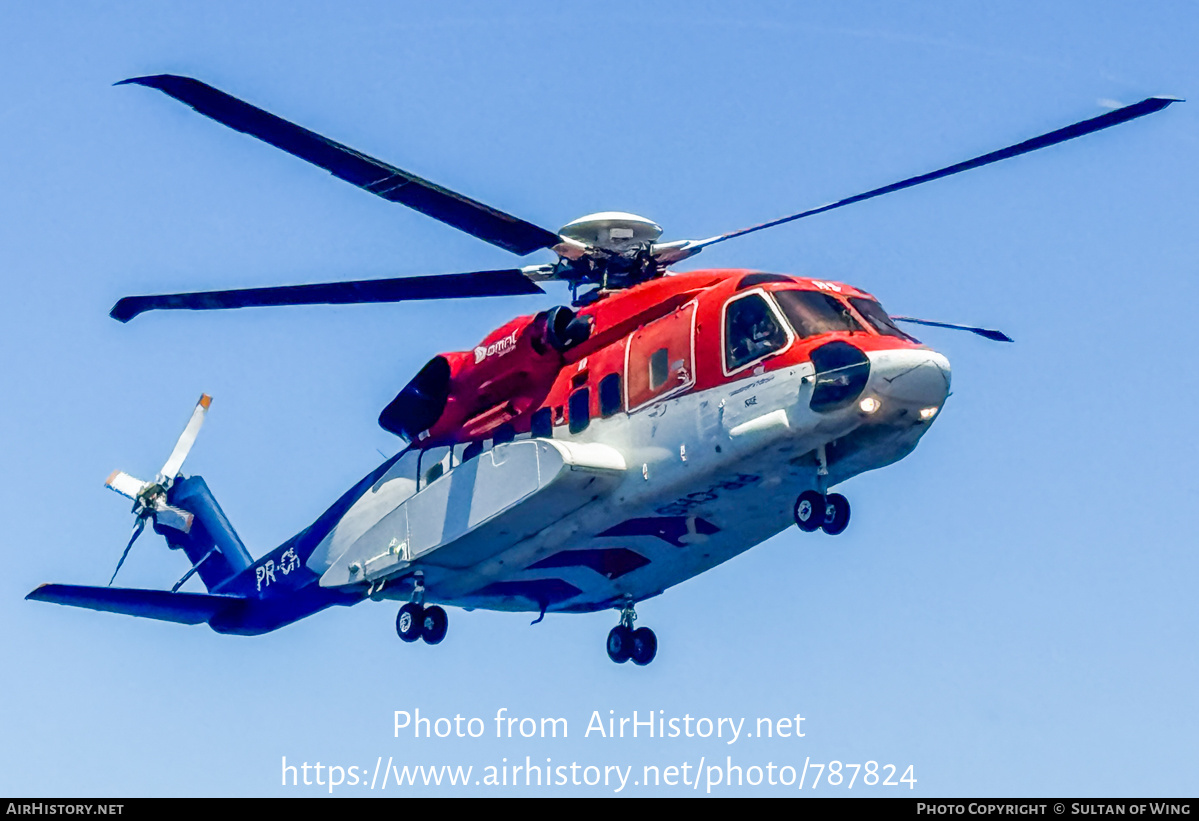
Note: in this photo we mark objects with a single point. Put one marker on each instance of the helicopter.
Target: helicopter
(587, 457)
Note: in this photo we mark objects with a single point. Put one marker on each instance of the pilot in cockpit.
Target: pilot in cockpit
(753, 330)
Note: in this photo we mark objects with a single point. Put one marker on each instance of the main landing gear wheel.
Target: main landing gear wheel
(624, 643)
(645, 646)
(836, 514)
(409, 622)
(620, 644)
(415, 622)
(810, 511)
(433, 625)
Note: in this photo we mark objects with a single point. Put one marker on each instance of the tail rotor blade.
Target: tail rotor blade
(171, 516)
(124, 484)
(186, 440)
(138, 527)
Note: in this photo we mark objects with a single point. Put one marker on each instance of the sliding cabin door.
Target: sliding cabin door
(660, 358)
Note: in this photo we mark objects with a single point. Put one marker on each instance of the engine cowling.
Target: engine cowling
(420, 404)
(470, 395)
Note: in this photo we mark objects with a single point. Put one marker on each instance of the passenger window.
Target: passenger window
(751, 331)
(542, 425)
(434, 463)
(609, 395)
(580, 410)
(659, 368)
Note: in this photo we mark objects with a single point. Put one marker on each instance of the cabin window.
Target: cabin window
(609, 395)
(434, 463)
(659, 368)
(504, 433)
(580, 410)
(812, 313)
(542, 425)
(878, 318)
(471, 451)
(751, 331)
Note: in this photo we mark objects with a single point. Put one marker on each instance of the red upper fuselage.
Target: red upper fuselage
(672, 335)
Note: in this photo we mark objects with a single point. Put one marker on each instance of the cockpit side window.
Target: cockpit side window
(878, 318)
(751, 331)
(813, 312)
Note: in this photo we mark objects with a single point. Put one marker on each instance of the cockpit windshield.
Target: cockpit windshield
(879, 318)
(814, 312)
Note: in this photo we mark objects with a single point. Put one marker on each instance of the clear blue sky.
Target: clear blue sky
(1012, 610)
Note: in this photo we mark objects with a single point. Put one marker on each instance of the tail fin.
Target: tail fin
(212, 545)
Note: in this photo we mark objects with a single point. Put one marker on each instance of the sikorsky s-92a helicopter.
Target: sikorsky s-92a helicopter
(583, 458)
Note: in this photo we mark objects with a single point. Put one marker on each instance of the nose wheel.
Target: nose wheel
(815, 511)
(625, 643)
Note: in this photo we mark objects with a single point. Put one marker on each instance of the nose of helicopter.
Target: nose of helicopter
(913, 379)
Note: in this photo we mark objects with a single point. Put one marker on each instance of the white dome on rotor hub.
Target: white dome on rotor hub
(612, 231)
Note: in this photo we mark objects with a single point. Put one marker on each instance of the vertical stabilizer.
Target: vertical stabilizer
(212, 545)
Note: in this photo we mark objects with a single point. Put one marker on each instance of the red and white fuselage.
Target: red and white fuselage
(676, 436)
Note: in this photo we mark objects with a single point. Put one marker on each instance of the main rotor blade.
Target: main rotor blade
(988, 333)
(507, 282)
(377, 177)
(1120, 115)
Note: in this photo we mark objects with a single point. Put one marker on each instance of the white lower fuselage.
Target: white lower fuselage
(655, 497)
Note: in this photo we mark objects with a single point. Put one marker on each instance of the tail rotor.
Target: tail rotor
(150, 498)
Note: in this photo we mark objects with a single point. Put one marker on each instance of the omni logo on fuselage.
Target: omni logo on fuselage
(498, 348)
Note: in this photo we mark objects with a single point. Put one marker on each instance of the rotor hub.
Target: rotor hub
(613, 231)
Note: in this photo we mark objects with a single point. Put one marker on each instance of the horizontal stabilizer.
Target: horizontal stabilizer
(183, 608)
